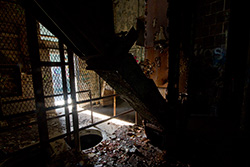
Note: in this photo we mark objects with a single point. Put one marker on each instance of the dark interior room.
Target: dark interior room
(124, 83)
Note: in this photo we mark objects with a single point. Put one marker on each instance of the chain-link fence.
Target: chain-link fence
(16, 86)
(18, 118)
(86, 80)
(52, 75)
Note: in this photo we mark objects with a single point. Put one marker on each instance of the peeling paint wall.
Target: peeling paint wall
(156, 17)
(154, 14)
(126, 12)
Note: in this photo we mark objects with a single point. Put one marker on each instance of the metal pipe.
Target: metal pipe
(63, 135)
(29, 99)
(65, 90)
(91, 107)
(51, 64)
(94, 124)
(59, 28)
(52, 108)
(80, 102)
(17, 101)
(114, 105)
(98, 98)
(37, 83)
(68, 94)
(1, 111)
(136, 118)
(105, 120)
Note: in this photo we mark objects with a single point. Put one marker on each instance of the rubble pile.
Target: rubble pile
(14, 140)
(128, 146)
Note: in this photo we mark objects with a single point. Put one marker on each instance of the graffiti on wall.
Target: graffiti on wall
(214, 57)
(207, 69)
(218, 57)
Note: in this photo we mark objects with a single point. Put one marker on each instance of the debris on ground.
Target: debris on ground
(129, 146)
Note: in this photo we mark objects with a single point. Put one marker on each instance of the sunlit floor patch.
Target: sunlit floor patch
(102, 117)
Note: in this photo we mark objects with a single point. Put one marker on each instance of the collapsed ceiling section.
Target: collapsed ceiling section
(87, 27)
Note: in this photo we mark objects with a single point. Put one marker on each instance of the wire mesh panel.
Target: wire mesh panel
(49, 52)
(13, 48)
(17, 102)
(13, 108)
(16, 85)
(48, 45)
(83, 76)
(52, 75)
(86, 80)
(19, 98)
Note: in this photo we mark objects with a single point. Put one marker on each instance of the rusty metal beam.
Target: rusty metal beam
(74, 104)
(65, 90)
(37, 84)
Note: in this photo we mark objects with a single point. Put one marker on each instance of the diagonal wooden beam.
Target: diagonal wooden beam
(112, 61)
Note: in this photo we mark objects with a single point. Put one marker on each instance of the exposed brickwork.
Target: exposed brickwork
(211, 24)
(208, 65)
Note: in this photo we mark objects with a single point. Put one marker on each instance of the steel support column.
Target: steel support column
(174, 51)
(37, 83)
(73, 97)
(65, 91)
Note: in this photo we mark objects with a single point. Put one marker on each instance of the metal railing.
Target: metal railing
(25, 28)
(115, 115)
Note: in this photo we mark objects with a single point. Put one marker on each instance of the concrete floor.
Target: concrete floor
(208, 141)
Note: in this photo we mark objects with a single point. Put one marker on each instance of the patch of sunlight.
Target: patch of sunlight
(114, 120)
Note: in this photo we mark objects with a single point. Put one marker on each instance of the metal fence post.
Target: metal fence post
(1, 112)
(114, 105)
(136, 118)
(37, 83)
(65, 90)
(91, 107)
(74, 105)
